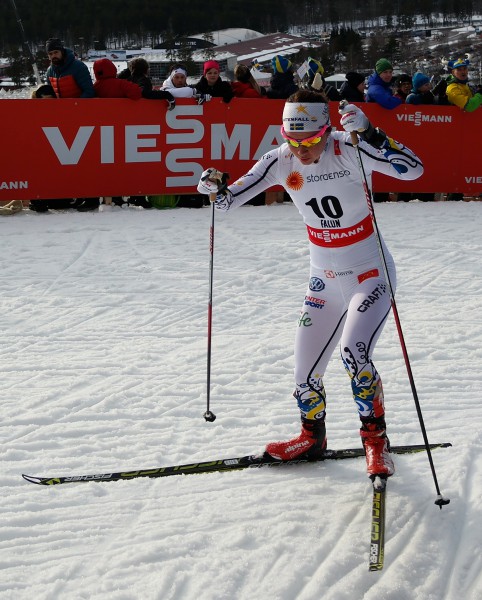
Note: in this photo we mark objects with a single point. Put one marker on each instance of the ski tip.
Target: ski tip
(32, 479)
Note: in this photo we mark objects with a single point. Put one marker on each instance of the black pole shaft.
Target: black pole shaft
(208, 415)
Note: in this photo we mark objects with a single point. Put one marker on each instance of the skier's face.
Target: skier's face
(308, 155)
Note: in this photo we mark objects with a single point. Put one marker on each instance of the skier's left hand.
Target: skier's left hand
(353, 118)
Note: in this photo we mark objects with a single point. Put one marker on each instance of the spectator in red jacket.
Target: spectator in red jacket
(246, 85)
(69, 77)
(108, 86)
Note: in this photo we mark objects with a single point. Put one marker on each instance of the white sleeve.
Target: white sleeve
(263, 175)
(392, 159)
(183, 92)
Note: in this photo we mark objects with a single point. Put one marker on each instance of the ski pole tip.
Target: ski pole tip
(209, 416)
(441, 501)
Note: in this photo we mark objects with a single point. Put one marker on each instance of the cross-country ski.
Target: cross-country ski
(218, 466)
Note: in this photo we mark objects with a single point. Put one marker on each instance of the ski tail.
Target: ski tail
(377, 541)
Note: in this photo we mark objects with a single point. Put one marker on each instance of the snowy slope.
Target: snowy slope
(103, 354)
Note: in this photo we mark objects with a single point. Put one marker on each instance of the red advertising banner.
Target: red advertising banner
(119, 147)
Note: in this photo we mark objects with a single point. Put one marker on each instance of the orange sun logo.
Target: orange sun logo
(295, 181)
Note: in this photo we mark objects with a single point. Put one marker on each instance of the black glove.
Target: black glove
(374, 136)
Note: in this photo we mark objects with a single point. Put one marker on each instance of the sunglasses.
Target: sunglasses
(307, 142)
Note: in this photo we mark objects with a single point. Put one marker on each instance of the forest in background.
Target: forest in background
(131, 23)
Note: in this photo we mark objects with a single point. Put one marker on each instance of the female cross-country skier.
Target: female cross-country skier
(348, 300)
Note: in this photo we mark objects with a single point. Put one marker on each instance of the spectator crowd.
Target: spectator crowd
(69, 77)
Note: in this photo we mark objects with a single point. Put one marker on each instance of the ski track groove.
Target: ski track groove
(354, 519)
(465, 580)
(87, 243)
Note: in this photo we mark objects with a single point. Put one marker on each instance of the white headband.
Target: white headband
(179, 71)
(305, 116)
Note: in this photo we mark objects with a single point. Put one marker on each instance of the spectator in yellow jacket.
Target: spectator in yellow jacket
(458, 89)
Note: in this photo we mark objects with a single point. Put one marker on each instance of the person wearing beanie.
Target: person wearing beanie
(317, 83)
(353, 89)
(212, 84)
(108, 85)
(383, 65)
(69, 77)
(346, 302)
(421, 90)
(459, 92)
(281, 64)
(379, 85)
(421, 94)
(176, 85)
(403, 86)
(282, 83)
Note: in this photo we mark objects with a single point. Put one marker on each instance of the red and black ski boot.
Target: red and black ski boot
(309, 445)
(377, 448)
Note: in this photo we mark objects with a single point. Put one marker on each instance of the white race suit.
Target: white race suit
(347, 300)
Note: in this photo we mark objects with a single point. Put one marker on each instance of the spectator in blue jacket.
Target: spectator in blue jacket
(379, 89)
(421, 90)
(69, 77)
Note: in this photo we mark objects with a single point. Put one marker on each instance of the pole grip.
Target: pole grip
(212, 197)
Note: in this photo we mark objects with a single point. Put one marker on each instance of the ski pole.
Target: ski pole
(440, 501)
(209, 415)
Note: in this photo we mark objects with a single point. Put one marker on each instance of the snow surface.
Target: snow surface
(104, 368)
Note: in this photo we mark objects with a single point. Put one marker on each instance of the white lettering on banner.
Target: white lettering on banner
(141, 141)
(13, 185)
(474, 179)
(273, 133)
(240, 137)
(107, 144)
(133, 143)
(193, 128)
(72, 155)
(182, 167)
(418, 118)
(66, 155)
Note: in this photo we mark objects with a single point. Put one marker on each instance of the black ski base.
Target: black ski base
(216, 466)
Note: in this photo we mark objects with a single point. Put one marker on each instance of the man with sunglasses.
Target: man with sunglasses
(347, 301)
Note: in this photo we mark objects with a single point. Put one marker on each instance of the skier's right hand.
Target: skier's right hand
(212, 182)
(352, 118)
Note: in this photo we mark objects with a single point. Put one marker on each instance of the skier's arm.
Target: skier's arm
(392, 158)
(258, 179)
